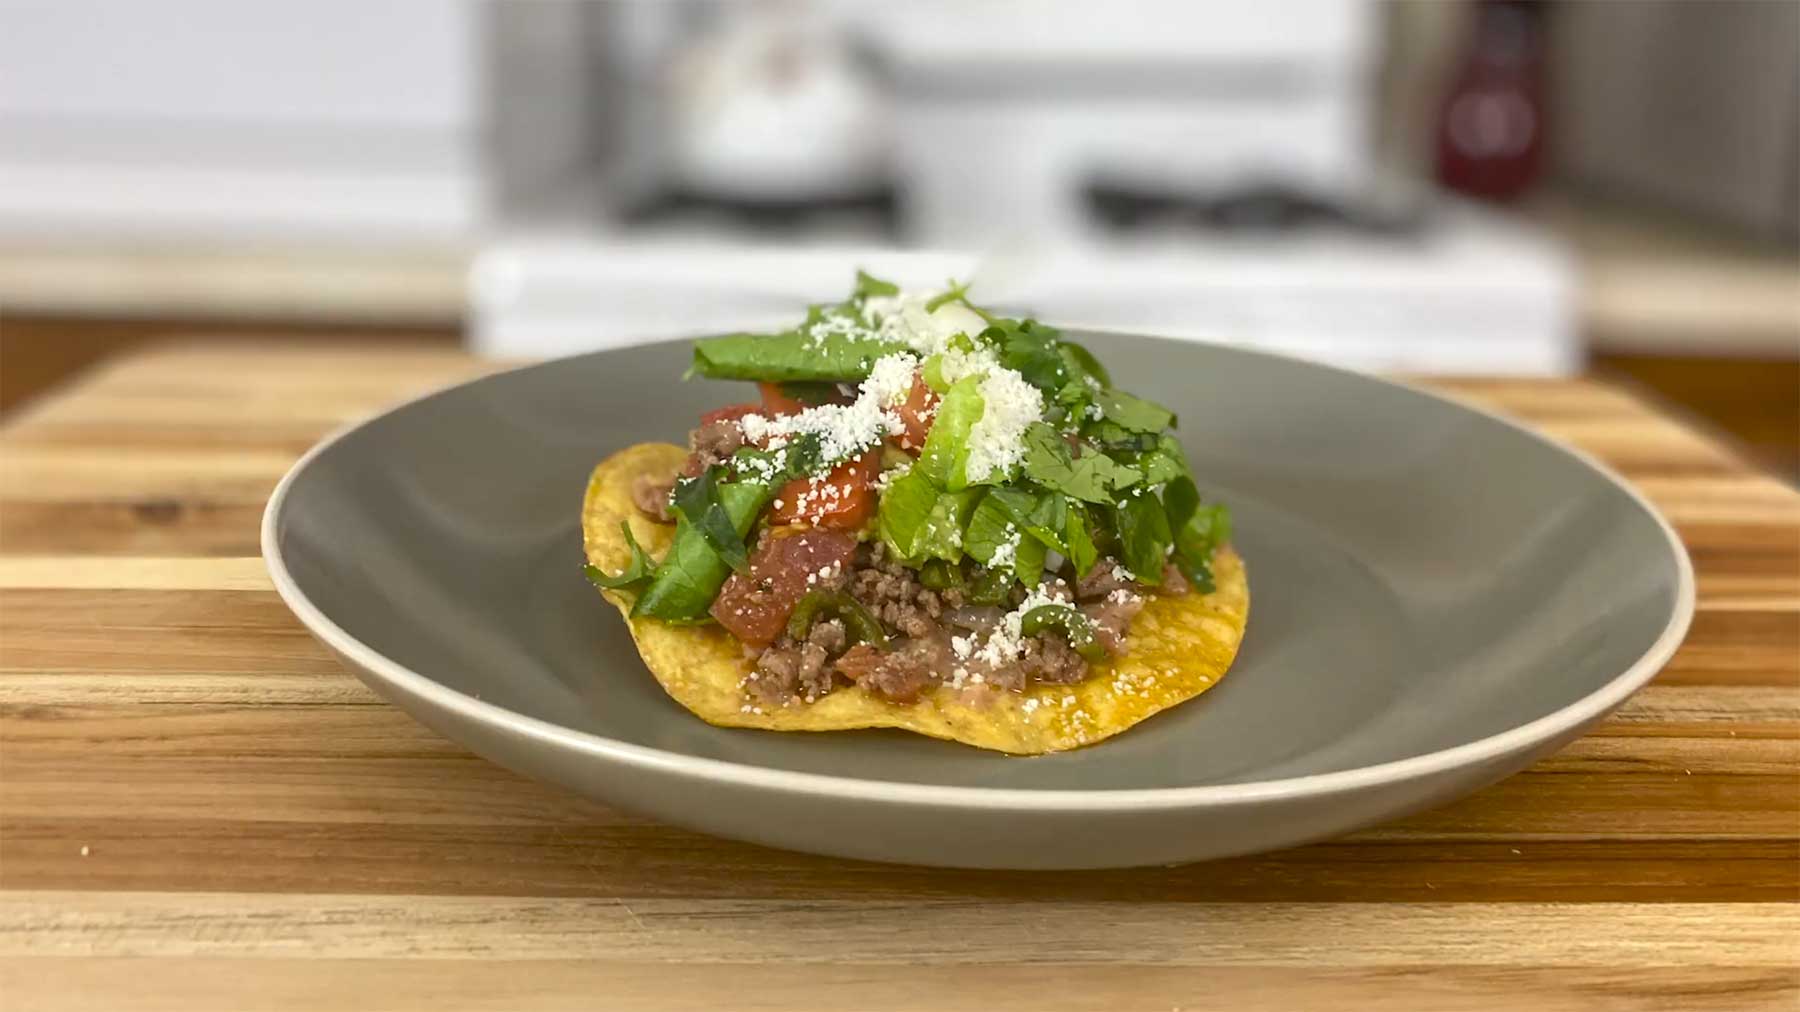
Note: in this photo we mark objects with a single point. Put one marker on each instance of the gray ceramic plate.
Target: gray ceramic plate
(1439, 597)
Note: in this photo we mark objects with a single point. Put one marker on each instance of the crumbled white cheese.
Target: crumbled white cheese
(955, 363)
(997, 440)
(1006, 642)
(1007, 550)
(838, 324)
(890, 379)
(1010, 404)
(825, 575)
(845, 430)
(903, 318)
(886, 478)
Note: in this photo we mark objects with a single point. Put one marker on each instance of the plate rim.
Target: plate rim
(1570, 717)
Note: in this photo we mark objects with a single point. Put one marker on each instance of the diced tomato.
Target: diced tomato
(916, 415)
(842, 499)
(775, 402)
(755, 606)
(730, 414)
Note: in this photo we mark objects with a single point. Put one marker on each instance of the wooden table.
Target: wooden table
(199, 810)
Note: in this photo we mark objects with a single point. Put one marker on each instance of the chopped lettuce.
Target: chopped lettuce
(1101, 475)
(635, 573)
(690, 575)
(793, 356)
(696, 500)
(918, 520)
(945, 459)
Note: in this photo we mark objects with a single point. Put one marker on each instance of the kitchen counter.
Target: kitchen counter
(200, 810)
(410, 286)
(1649, 285)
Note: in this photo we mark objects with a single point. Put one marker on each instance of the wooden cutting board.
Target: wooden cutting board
(199, 810)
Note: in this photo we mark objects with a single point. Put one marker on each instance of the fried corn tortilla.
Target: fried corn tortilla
(1178, 647)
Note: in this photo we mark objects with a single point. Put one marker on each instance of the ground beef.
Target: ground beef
(1173, 582)
(823, 642)
(1102, 580)
(777, 675)
(921, 654)
(1112, 616)
(712, 443)
(652, 496)
(895, 595)
(1050, 659)
(901, 673)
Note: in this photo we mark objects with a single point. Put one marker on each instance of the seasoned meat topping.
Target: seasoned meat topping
(712, 443)
(937, 638)
(652, 497)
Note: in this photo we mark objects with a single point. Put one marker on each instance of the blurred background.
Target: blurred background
(1469, 187)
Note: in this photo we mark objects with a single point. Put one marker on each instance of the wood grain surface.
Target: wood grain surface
(199, 810)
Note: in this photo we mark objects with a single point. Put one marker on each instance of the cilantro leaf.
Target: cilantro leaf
(1082, 362)
(956, 291)
(1132, 412)
(1051, 462)
(1112, 436)
(1028, 562)
(1031, 351)
(867, 286)
(1144, 536)
(1080, 541)
(988, 529)
(1159, 459)
(1197, 530)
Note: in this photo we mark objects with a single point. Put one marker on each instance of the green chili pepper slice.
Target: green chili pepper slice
(859, 622)
(1074, 625)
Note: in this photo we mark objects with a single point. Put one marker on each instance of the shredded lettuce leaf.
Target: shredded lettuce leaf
(918, 520)
(635, 573)
(790, 357)
(697, 501)
(945, 459)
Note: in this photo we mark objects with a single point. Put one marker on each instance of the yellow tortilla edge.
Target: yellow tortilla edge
(1177, 648)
